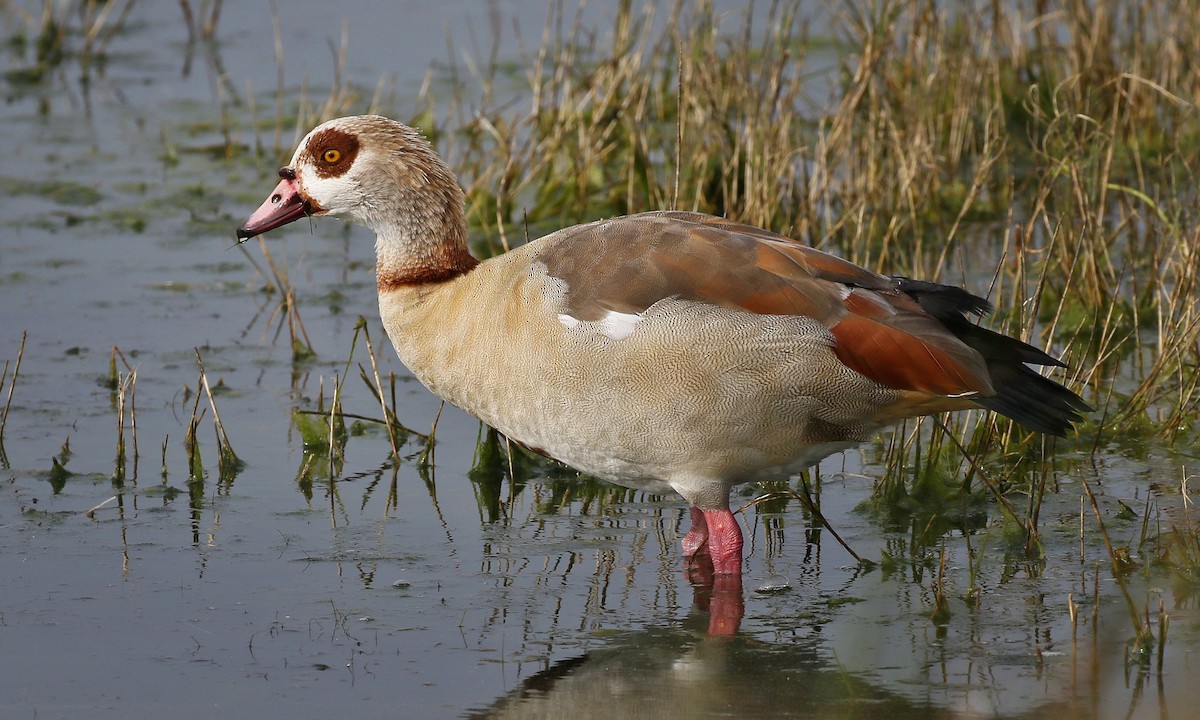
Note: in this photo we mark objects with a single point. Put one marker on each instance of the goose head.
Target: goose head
(372, 171)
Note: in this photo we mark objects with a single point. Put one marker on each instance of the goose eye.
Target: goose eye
(331, 155)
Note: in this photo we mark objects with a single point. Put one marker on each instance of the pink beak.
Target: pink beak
(284, 205)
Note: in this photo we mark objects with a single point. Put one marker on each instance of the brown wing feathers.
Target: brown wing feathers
(906, 334)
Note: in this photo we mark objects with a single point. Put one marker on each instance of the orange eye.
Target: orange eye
(331, 155)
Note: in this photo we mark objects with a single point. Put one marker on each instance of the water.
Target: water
(275, 593)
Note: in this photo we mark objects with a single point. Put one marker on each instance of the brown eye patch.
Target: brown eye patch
(331, 152)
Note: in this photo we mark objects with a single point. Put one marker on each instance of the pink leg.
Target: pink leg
(724, 541)
(695, 543)
(713, 548)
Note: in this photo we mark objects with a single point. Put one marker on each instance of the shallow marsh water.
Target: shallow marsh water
(272, 592)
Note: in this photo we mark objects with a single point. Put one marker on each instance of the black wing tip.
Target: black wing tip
(1035, 402)
(948, 303)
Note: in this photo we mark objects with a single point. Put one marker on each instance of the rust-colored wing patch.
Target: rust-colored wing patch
(905, 362)
(889, 338)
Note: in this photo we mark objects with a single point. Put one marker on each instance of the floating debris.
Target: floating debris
(773, 585)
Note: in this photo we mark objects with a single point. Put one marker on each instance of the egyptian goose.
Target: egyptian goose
(665, 351)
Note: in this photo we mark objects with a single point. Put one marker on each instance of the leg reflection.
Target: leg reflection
(720, 595)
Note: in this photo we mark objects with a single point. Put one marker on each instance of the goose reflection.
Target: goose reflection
(684, 673)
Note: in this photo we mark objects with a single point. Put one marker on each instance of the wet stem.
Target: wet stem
(301, 345)
(125, 389)
(228, 462)
(1144, 635)
(12, 385)
(389, 414)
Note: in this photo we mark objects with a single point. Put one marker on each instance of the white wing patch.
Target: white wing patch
(619, 326)
(616, 325)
